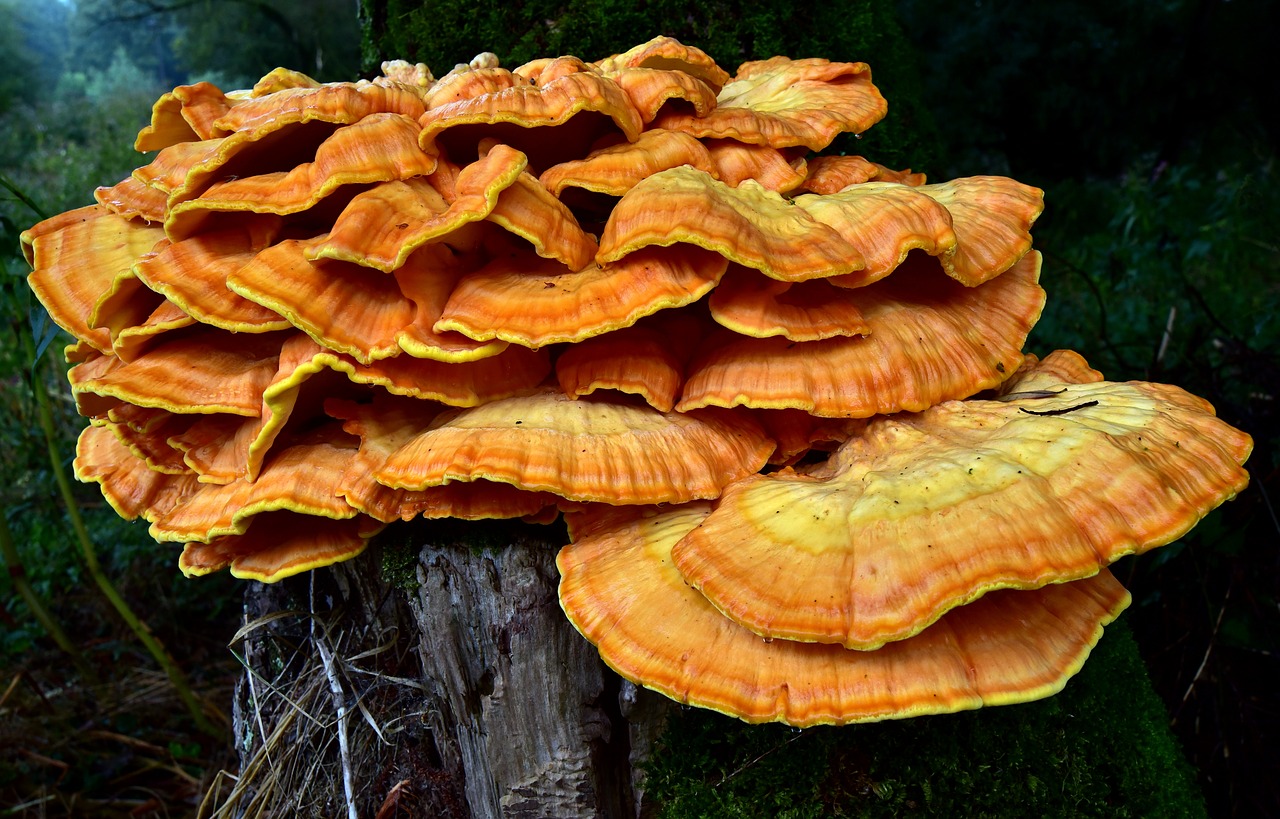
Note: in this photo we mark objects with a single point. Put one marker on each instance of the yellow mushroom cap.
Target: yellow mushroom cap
(383, 225)
(185, 114)
(668, 53)
(550, 123)
(757, 306)
(78, 258)
(616, 169)
(923, 512)
(784, 103)
(387, 423)
(832, 174)
(132, 488)
(748, 224)
(582, 450)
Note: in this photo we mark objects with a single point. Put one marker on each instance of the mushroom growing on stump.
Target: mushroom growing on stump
(625, 290)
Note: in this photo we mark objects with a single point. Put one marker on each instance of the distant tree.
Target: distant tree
(239, 40)
(31, 48)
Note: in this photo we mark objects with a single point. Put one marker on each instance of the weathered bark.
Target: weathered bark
(490, 703)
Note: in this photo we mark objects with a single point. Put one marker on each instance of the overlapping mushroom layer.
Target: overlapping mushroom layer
(623, 290)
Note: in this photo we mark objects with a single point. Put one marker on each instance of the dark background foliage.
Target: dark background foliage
(1151, 126)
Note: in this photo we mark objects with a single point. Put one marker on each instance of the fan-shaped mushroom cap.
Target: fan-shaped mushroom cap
(535, 302)
(343, 306)
(126, 303)
(747, 224)
(536, 119)
(382, 226)
(735, 162)
(618, 168)
(885, 221)
(868, 228)
(301, 478)
(128, 484)
(279, 545)
(992, 217)
(832, 174)
(931, 339)
(185, 114)
(544, 70)
(471, 83)
(460, 384)
(582, 450)
(757, 306)
(270, 134)
(226, 448)
(193, 274)
(619, 588)
(920, 513)
(131, 197)
(1058, 368)
(278, 79)
(77, 263)
(378, 148)
(797, 433)
(384, 426)
(637, 360)
(531, 212)
(133, 340)
(337, 103)
(670, 54)
(649, 89)
(146, 432)
(785, 103)
(358, 311)
(194, 374)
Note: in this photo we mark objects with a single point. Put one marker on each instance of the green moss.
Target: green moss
(1100, 748)
(398, 560)
(444, 33)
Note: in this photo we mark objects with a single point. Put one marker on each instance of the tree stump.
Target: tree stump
(461, 687)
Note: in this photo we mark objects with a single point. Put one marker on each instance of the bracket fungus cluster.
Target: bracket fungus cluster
(808, 472)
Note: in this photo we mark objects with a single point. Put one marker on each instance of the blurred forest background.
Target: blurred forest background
(1152, 126)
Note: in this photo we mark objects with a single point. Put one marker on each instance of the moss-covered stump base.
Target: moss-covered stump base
(1100, 748)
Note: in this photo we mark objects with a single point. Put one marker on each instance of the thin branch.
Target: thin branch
(8, 184)
(1204, 661)
(181, 686)
(18, 576)
(319, 637)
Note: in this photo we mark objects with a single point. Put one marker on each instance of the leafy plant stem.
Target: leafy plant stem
(7, 184)
(18, 576)
(140, 629)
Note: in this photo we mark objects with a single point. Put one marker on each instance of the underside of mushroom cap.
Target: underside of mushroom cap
(279, 545)
(621, 590)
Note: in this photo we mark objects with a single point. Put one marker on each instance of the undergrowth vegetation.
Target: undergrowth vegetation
(114, 737)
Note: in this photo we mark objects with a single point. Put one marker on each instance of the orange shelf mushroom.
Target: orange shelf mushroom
(922, 512)
(621, 589)
(786, 387)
